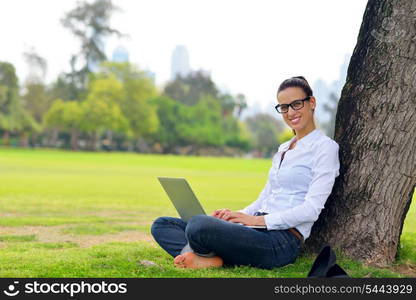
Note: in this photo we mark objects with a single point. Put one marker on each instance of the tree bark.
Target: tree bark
(376, 132)
(74, 139)
(95, 141)
(6, 138)
(24, 139)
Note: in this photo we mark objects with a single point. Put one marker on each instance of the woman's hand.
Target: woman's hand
(239, 217)
(223, 213)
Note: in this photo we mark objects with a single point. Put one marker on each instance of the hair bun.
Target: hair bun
(300, 77)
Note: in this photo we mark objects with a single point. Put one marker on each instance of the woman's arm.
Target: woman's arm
(325, 170)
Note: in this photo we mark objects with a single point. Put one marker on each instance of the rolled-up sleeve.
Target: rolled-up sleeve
(325, 170)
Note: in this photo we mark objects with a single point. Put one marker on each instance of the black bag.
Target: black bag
(325, 265)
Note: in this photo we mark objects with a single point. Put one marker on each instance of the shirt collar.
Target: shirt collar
(307, 139)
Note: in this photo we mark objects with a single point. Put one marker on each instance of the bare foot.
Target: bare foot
(179, 261)
(192, 261)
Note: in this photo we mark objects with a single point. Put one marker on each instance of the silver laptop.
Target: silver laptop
(184, 199)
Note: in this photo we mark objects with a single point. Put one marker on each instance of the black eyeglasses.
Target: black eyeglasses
(296, 105)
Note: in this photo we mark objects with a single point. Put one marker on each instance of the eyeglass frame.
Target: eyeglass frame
(290, 104)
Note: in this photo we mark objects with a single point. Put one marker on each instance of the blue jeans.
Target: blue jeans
(234, 243)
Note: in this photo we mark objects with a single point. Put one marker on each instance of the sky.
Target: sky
(248, 46)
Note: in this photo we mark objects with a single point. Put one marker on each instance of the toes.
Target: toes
(180, 265)
(179, 259)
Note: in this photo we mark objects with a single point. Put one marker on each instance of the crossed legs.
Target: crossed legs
(213, 242)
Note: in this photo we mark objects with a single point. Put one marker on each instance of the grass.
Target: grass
(18, 238)
(99, 229)
(66, 214)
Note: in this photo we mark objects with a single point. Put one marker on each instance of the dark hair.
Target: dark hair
(296, 81)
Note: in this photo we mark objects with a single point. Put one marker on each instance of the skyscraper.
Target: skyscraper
(180, 62)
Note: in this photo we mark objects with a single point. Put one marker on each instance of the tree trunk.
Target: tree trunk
(376, 132)
(34, 140)
(74, 139)
(6, 138)
(24, 139)
(55, 138)
(95, 141)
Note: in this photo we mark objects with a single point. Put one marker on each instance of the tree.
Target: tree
(89, 22)
(138, 89)
(376, 133)
(227, 103)
(201, 124)
(101, 109)
(241, 104)
(198, 87)
(66, 116)
(36, 100)
(285, 136)
(169, 113)
(264, 130)
(13, 116)
(63, 88)
(35, 97)
(235, 133)
(37, 66)
(190, 89)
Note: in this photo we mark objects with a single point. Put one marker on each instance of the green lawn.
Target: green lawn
(66, 214)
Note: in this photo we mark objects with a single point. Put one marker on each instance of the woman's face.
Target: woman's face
(297, 119)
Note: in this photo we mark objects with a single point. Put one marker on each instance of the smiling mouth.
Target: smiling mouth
(295, 120)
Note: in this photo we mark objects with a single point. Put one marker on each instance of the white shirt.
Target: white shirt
(296, 192)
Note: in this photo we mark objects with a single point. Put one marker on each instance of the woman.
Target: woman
(300, 180)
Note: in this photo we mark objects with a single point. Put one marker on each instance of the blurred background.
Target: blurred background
(177, 77)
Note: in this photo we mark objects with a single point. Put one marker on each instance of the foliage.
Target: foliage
(227, 104)
(169, 115)
(64, 88)
(122, 103)
(204, 116)
(116, 102)
(101, 109)
(89, 22)
(236, 133)
(198, 125)
(115, 99)
(36, 100)
(37, 66)
(191, 88)
(138, 89)
(66, 116)
(99, 112)
(264, 130)
(13, 116)
(201, 124)
(240, 103)
(285, 136)
(197, 85)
